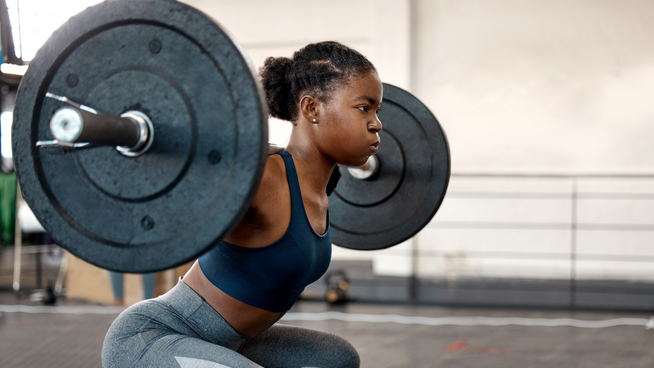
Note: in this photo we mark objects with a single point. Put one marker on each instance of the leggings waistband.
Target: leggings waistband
(201, 316)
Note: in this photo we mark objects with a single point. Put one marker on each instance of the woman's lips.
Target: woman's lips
(374, 147)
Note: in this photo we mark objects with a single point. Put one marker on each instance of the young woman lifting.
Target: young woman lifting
(223, 312)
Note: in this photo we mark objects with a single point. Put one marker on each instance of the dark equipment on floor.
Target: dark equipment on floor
(337, 286)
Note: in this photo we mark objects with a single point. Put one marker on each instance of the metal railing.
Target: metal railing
(575, 224)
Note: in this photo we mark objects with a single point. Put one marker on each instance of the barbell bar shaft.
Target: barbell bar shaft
(70, 125)
(130, 132)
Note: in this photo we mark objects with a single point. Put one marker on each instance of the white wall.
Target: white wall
(380, 29)
(561, 86)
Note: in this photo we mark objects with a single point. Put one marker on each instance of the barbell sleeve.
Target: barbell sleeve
(131, 132)
(72, 125)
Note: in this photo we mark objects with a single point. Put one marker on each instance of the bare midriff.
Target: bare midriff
(246, 319)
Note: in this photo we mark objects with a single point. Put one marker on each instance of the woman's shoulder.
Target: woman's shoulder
(273, 187)
(271, 206)
(274, 173)
(270, 211)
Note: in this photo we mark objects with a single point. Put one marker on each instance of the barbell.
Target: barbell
(140, 138)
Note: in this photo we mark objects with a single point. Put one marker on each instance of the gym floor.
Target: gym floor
(71, 333)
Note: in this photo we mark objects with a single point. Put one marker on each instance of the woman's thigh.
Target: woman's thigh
(150, 334)
(291, 347)
(178, 351)
(188, 352)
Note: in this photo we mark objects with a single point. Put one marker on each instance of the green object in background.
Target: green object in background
(7, 208)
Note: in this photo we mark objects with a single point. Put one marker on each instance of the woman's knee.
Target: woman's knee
(123, 344)
(284, 346)
(343, 353)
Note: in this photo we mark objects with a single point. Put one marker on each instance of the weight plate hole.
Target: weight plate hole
(147, 223)
(214, 157)
(155, 46)
(72, 80)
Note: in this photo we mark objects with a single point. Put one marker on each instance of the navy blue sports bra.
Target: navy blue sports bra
(272, 277)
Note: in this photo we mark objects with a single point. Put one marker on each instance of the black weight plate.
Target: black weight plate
(191, 188)
(409, 187)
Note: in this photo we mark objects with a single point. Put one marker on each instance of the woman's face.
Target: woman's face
(349, 129)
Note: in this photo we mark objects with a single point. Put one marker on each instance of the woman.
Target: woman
(223, 312)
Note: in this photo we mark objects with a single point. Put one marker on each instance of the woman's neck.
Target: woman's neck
(315, 168)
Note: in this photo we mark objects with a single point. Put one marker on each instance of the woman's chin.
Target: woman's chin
(359, 162)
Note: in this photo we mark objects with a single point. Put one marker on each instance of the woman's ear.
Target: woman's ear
(309, 108)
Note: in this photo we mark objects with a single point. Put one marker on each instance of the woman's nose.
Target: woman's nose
(375, 126)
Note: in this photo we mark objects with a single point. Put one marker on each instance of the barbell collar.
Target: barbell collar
(146, 134)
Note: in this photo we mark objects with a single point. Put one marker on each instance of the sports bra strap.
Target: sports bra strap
(297, 206)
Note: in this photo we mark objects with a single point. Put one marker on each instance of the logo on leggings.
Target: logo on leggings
(197, 363)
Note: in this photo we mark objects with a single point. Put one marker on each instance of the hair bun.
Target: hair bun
(277, 86)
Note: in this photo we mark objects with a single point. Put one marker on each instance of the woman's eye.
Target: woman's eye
(363, 108)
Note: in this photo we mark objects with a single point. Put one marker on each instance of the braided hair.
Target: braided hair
(318, 69)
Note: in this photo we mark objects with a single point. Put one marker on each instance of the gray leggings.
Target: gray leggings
(179, 329)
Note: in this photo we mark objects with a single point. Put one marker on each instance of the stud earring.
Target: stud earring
(314, 120)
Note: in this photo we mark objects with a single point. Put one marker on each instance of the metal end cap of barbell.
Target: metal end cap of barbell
(66, 124)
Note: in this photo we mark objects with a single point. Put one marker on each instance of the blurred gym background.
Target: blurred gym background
(547, 108)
